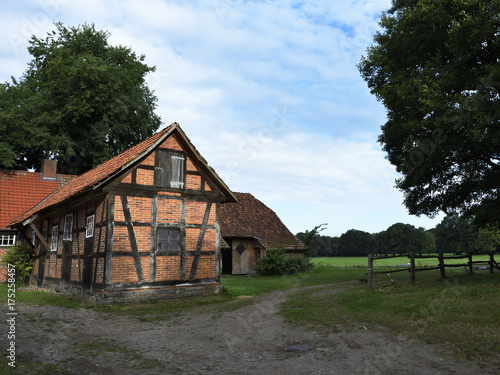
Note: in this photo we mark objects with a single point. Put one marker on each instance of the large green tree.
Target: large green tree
(435, 66)
(80, 101)
(356, 243)
(459, 235)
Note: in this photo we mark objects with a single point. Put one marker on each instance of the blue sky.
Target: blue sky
(268, 91)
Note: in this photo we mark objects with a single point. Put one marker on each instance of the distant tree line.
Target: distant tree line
(454, 234)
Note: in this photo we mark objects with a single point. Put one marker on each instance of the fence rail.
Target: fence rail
(412, 269)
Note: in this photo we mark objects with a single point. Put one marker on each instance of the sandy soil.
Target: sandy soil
(249, 340)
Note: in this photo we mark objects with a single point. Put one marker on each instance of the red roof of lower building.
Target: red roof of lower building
(249, 217)
(21, 190)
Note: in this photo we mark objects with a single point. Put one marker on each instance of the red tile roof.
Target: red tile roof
(252, 218)
(21, 190)
(112, 168)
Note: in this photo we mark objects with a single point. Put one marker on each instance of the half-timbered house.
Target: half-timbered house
(143, 225)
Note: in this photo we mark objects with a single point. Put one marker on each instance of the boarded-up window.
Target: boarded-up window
(168, 239)
(54, 237)
(68, 228)
(171, 169)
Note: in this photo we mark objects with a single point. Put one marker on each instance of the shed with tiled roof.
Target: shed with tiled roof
(144, 224)
(250, 228)
(19, 192)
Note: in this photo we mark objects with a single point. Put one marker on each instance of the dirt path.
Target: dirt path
(250, 340)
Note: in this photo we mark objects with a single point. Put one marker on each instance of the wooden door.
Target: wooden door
(41, 266)
(66, 267)
(240, 259)
(87, 267)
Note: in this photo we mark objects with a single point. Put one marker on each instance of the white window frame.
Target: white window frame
(33, 237)
(68, 228)
(54, 237)
(7, 240)
(89, 228)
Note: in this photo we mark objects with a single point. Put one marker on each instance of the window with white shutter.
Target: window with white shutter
(171, 169)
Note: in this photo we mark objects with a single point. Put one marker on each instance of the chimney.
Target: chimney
(49, 169)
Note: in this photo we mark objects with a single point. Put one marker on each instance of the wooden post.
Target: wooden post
(441, 265)
(491, 261)
(470, 263)
(412, 266)
(78, 244)
(201, 236)
(370, 271)
(132, 238)
(110, 220)
(104, 203)
(153, 240)
(182, 270)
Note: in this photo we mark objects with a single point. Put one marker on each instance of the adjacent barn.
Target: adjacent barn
(143, 225)
(249, 229)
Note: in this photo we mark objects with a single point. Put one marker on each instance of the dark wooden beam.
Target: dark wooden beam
(217, 243)
(78, 247)
(133, 239)
(110, 218)
(182, 240)
(200, 241)
(136, 190)
(39, 235)
(154, 245)
(96, 256)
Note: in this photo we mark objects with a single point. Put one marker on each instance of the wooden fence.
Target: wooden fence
(412, 269)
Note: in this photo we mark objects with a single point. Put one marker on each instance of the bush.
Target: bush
(277, 263)
(297, 264)
(274, 263)
(21, 257)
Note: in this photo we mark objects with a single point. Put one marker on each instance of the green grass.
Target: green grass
(256, 285)
(42, 298)
(391, 262)
(460, 313)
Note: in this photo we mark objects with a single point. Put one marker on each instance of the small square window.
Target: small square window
(89, 232)
(54, 238)
(168, 239)
(68, 228)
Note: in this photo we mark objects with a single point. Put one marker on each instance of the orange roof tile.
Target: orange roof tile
(21, 190)
(252, 218)
(111, 168)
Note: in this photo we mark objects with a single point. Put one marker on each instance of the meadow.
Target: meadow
(391, 262)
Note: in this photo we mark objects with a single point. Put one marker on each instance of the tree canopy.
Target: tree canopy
(435, 66)
(80, 101)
